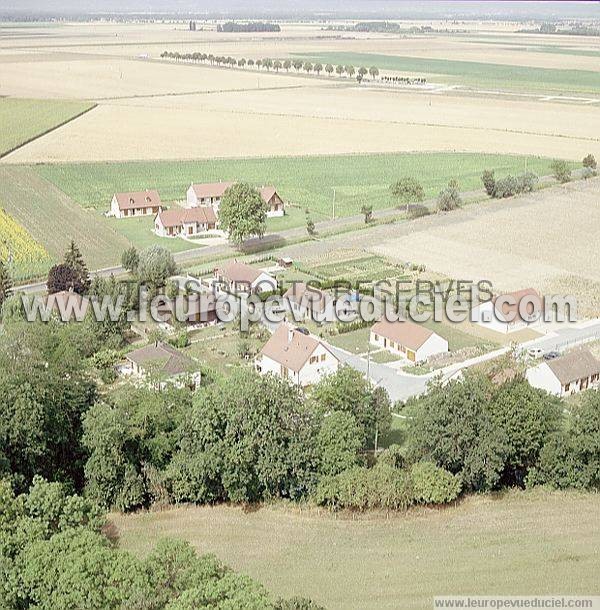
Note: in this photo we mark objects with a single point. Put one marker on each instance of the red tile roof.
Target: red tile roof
(404, 332)
(508, 310)
(141, 199)
(176, 217)
(290, 347)
(211, 189)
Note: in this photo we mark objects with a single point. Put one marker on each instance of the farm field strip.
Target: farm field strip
(148, 132)
(24, 120)
(53, 219)
(500, 76)
(304, 182)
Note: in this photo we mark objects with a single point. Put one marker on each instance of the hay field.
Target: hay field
(507, 242)
(521, 543)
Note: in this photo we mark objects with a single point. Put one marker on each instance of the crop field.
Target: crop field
(472, 73)
(24, 256)
(304, 182)
(53, 219)
(522, 543)
(23, 120)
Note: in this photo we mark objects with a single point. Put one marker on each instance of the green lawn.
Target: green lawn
(355, 342)
(514, 543)
(472, 73)
(24, 120)
(304, 182)
(457, 339)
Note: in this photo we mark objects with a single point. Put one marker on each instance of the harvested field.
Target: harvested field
(507, 243)
(331, 121)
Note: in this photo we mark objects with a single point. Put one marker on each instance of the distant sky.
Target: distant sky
(359, 8)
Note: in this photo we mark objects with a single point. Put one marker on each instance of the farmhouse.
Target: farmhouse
(505, 317)
(305, 301)
(275, 205)
(165, 362)
(413, 341)
(144, 203)
(293, 355)
(185, 222)
(569, 374)
(209, 194)
(238, 278)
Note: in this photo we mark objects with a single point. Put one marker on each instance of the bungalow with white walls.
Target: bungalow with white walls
(307, 302)
(181, 222)
(237, 278)
(503, 317)
(405, 338)
(294, 355)
(128, 205)
(569, 374)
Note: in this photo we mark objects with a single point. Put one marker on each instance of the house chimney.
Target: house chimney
(290, 334)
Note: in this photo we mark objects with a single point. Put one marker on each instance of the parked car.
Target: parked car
(551, 355)
(535, 352)
(303, 330)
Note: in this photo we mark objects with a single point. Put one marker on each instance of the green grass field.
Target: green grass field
(519, 543)
(24, 120)
(471, 73)
(304, 182)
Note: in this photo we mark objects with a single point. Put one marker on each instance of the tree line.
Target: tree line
(276, 65)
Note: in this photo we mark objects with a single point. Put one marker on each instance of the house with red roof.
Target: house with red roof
(142, 203)
(186, 222)
(511, 311)
(405, 338)
(301, 358)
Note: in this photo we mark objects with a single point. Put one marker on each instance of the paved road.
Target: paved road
(564, 338)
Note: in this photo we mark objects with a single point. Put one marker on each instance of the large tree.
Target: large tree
(64, 277)
(242, 213)
(155, 266)
(348, 391)
(74, 259)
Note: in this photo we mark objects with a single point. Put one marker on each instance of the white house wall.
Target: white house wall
(542, 377)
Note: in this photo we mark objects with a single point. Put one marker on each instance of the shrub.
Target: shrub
(506, 187)
(362, 488)
(489, 182)
(561, 170)
(449, 199)
(433, 485)
(590, 161)
(588, 172)
(526, 182)
(392, 456)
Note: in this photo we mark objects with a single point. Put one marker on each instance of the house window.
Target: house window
(314, 359)
(376, 337)
(323, 356)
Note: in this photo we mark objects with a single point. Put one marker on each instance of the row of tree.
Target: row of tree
(270, 64)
